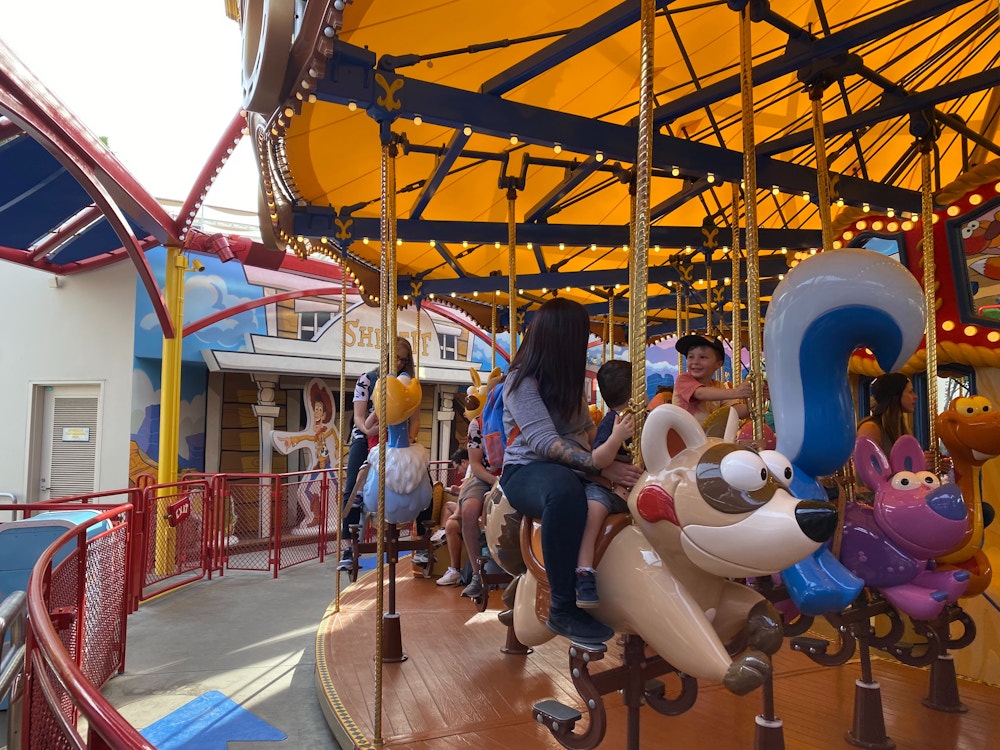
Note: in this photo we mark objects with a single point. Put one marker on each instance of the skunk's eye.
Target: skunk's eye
(780, 466)
(744, 470)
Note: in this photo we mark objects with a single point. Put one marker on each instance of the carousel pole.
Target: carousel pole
(638, 282)
(823, 206)
(925, 145)
(341, 467)
(823, 201)
(388, 643)
(416, 345)
(750, 191)
(942, 692)
(639, 257)
(392, 641)
(678, 310)
(608, 350)
(769, 728)
(709, 245)
(735, 288)
(677, 323)
(512, 263)
(493, 333)
(609, 338)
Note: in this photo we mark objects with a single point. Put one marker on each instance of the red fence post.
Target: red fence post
(276, 490)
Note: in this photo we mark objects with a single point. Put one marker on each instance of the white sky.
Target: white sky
(161, 80)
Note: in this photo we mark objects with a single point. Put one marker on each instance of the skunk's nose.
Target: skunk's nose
(817, 520)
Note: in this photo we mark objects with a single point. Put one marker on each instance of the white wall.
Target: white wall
(81, 331)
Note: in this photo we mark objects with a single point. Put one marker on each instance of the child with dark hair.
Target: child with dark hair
(459, 468)
(615, 430)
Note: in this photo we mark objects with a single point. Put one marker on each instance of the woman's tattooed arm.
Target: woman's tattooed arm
(573, 456)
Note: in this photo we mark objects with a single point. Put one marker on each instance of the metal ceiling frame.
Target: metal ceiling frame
(804, 50)
(363, 78)
(351, 80)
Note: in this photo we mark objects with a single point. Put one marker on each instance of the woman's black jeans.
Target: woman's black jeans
(554, 494)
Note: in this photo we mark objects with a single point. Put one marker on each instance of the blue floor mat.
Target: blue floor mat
(209, 722)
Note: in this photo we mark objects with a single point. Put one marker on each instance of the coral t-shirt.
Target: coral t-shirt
(684, 387)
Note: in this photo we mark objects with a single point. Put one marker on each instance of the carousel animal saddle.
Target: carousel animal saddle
(531, 551)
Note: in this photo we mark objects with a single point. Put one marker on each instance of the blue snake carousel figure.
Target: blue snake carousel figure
(826, 308)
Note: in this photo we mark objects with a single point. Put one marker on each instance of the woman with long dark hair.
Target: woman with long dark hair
(549, 458)
(892, 399)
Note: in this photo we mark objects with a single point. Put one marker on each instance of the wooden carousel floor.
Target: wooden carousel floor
(457, 690)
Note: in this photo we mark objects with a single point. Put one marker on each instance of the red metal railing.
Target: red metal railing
(174, 525)
(160, 537)
(274, 521)
(76, 639)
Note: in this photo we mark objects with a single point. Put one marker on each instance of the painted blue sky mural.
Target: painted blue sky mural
(219, 287)
(145, 425)
(482, 351)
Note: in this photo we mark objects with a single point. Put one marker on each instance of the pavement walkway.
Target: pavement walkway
(245, 635)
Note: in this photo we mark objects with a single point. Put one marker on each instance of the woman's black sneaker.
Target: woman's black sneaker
(577, 625)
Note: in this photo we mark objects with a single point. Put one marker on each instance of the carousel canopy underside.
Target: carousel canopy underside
(564, 81)
(544, 98)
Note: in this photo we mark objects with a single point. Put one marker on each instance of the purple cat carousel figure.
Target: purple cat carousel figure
(891, 544)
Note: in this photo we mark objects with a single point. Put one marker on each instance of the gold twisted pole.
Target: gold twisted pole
(387, 350)
(708, 289)
(341, 467)
(610, 341)
(607, 335)
(750, 191)
(493, 332)
(735, 289)
(512, 262)
(416, 344)
(924, 145)
(679, 310)
(639, 257)
(632, 229)
(822, 169)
